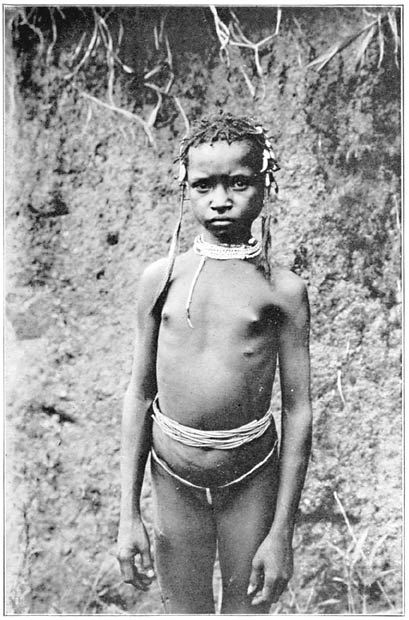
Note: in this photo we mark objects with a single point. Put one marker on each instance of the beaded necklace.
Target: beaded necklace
(226, 251)
(243, 251)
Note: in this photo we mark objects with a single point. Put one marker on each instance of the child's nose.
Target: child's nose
(220, 198)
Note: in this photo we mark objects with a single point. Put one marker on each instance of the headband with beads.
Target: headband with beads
(269, 165)
(182, 178)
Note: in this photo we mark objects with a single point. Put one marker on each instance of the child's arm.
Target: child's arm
(274, 558)
(133, 540)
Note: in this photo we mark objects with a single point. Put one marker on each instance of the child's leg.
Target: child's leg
(244, 514)
(185, 545)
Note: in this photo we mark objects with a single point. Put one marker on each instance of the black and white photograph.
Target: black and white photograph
(203, 309)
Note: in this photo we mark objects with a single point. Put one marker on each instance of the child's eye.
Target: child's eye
(239, 182)
(202, 186)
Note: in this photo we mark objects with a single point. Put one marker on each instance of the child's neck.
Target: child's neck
(242, 251)
(226, 239)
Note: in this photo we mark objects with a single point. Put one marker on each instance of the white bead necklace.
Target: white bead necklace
(243, 251)
(225, 251)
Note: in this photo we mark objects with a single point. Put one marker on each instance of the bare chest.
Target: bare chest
(227, 299)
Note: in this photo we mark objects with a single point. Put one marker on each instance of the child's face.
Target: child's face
(225, 189)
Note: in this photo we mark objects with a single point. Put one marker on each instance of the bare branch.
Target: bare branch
(162, 26)
(169, 57)
(153, 115)
(239, 33)
(325, 58)
(364, 46)
(297, 23)
(126, 113)
(87, 54)
(88, 119)
(107, 39)
(154, 87)
(79, 46)
(339, 386)
(120, 35)
(279, 14)
(26, 21)
(54, 31)
(223, 34)
(155, 37)
(239, 39)
(182, 112)
(394, 28)
(248, 83)
(169, 84)
(153, 72)
(31, 13)
(381, 42)
(369, 30)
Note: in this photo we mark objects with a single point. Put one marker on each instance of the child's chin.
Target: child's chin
(222, 232)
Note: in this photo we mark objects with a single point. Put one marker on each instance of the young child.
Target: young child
(211, 325)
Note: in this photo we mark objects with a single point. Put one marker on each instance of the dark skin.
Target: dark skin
(220, 375)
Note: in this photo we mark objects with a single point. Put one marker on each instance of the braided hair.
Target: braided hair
(229, 128)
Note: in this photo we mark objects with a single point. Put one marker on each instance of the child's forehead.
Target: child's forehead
(238, 152)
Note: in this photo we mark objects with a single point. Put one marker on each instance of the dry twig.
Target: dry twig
(26, 21)
(368, 32)
(182, 112)
(54, 39)
(159, 38)
(223, 34)
(339, 387)
(234, 36)
(249, 85)
(126, 113)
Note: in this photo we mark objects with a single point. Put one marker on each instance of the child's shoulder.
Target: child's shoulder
(149, 282)
(291, 289)
(154, 273)
(287, 280)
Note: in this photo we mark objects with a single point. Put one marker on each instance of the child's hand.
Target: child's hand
(272, 568)
(133, 541)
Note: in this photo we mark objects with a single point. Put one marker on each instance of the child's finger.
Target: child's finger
(147, 564)
(140, 580)
(127, 569)
(144, 569)
(262, 596)
(255, 580)
(270, 593)
(131, 574)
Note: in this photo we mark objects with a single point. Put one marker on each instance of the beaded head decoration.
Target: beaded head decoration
(229, 128)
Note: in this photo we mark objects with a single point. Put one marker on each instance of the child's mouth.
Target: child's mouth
(218, 221)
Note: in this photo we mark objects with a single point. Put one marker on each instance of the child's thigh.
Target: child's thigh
(244, 517)
(180, 511)
(185, 544)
